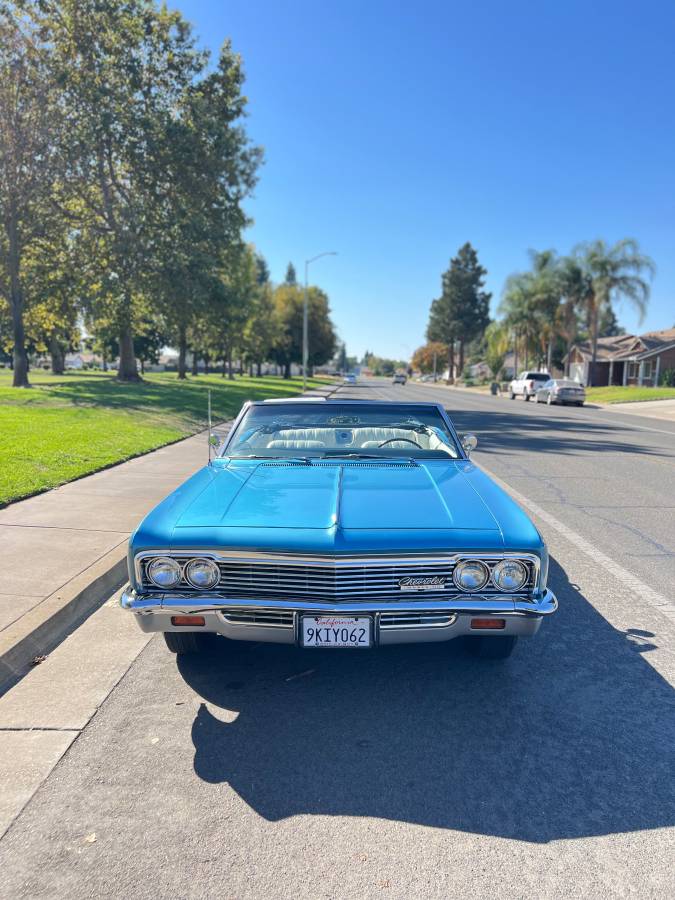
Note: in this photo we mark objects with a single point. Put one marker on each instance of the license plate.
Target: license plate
(336, 631)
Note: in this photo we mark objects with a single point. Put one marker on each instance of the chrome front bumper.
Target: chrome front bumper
(404, 622)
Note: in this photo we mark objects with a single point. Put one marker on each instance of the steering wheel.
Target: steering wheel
(406, 440)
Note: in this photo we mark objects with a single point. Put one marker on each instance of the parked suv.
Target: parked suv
(527, 384)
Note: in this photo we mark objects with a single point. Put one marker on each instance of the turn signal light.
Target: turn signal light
(488, 623)
(187, 620)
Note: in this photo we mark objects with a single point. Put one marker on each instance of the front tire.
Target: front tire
(493, 647)
(526, 397)
(183, 643)
(512, 396)
(549, 400)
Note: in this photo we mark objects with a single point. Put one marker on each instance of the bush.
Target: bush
(668, 378)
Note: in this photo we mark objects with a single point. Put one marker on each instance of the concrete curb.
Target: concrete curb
(44, 627)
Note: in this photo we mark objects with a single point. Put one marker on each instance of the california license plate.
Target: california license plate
(336, 631)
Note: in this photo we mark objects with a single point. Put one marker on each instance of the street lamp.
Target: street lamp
(305, 335)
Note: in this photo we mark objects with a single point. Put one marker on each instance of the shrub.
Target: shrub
(668, 378)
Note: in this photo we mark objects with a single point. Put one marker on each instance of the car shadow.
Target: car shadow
(503, 433)
(573, 736)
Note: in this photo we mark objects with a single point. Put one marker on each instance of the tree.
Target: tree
(427, 358)
(614, 271)
(608, 325)
(123, 67)
(29, 122)
(287, 348)
(291, 277)
(497, 341)
(462, 312)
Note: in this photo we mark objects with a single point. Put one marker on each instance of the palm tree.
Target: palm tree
(614, 270)
(575, 286)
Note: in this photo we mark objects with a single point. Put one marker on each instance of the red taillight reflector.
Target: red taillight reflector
(187, 620)
(488, 623)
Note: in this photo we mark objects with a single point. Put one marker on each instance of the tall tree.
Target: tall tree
(615, 272)
(29, 124)
(462, 312)
(123, 67)
(291, 277)
(287, 348)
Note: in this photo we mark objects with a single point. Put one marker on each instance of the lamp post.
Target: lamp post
(305, 318)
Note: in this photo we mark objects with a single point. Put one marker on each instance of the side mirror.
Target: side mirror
(469, 443)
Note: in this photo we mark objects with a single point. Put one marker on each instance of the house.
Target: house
(625, 359)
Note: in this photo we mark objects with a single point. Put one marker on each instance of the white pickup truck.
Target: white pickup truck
(527, 384)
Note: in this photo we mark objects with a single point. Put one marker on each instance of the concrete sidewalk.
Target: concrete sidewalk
(58, 544)
(65, 550)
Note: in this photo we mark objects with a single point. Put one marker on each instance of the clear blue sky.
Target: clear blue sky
(395, 131)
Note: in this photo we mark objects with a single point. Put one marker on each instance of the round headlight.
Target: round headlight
(470, 575)
(164, 572)
(202, 573)
(509, 575)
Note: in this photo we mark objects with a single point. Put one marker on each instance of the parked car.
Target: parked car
(561, 390)
(337, 523)
(349, 378)
(399, 378)
(526, 384)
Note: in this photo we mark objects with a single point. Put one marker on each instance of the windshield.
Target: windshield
(380, 430)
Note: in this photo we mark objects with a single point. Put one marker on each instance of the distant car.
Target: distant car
(340, 523)
(399, 378)
(561, 390)
(350, 378)
(527, 384)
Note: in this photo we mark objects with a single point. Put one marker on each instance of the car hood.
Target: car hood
(347, 496)
(338, 508)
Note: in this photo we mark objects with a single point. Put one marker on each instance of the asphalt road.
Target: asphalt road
(268, 772)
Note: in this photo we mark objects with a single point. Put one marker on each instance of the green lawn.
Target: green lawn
(628, 394)
(70, 425)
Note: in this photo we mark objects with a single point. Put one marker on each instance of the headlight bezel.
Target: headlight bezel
(466, 562)
(164, 560)
(202, 560)
(509, 561)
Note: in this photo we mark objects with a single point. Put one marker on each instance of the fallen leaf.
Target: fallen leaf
(155, 741)
(36, 660)
(90, 838)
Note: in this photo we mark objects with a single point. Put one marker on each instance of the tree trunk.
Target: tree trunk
(594, 323)
(56, 353)
(549, 356)
(451, 361)
(259, 369)
(287, 370)
(461, 358)
(195, 363)
(182, 352)
(20, 361)
(142, 366)
(250, 370)
(104, 360)
(230, 373)
(127, 370)
(206, 363)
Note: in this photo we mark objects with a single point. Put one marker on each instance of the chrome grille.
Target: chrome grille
(335, 581)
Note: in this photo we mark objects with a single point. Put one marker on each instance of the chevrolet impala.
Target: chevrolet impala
(340, 524)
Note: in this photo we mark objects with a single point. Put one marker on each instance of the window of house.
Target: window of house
(633, 369)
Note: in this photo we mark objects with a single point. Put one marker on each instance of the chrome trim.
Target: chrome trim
(188, 604)
(373, 562)
(400, 621)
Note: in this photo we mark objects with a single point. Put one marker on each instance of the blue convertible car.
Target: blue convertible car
(338, 523)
